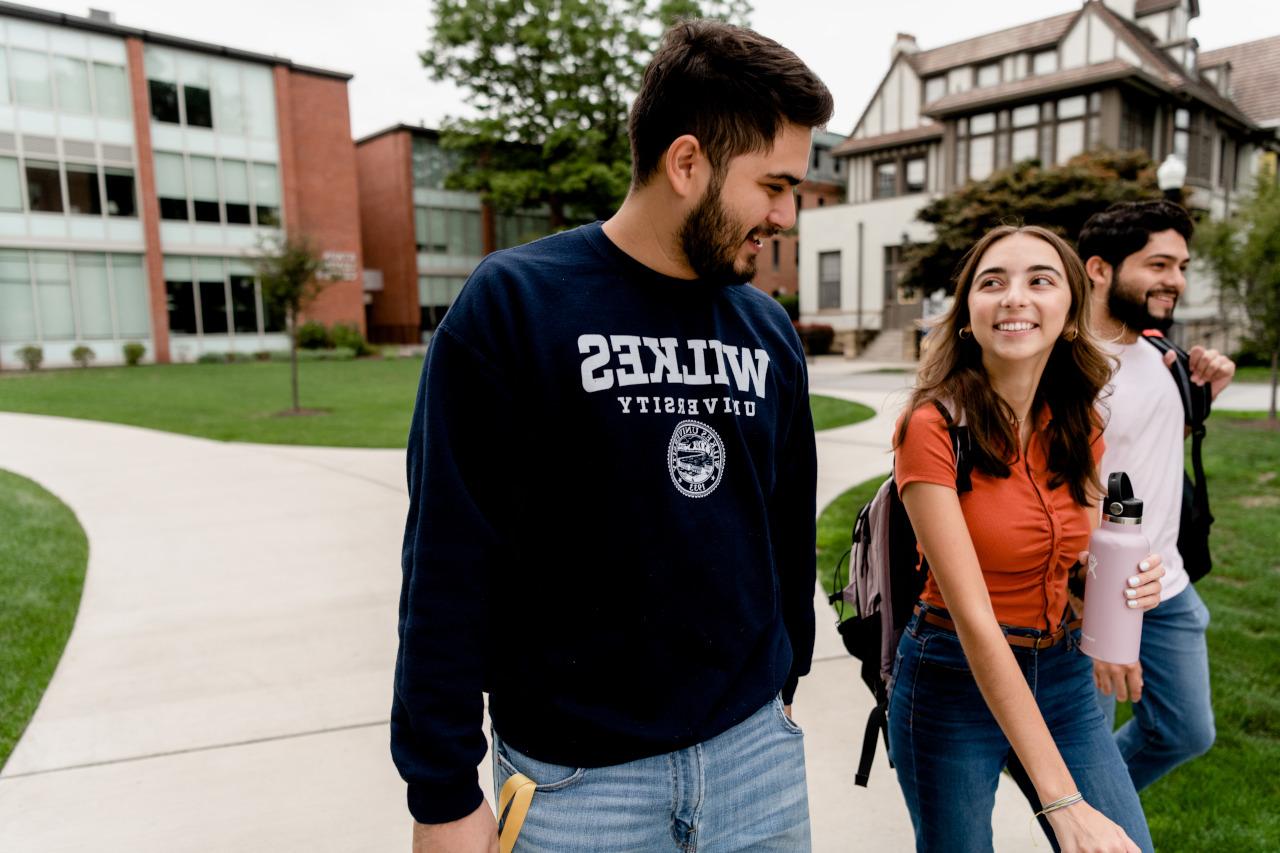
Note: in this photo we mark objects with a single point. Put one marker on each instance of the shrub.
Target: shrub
(313, 335)
(31, 356)
(816, 337)
(211, 358)
(82, 355)
(791, 302)
(347, 335)
(262, 355)
(133, 353)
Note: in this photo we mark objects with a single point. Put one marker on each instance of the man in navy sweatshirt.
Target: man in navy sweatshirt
(611, 477)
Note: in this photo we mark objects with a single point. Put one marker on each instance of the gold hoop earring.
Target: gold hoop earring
(965, 333)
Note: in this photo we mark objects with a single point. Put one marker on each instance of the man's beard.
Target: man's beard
(711, 242)
(1131, 309)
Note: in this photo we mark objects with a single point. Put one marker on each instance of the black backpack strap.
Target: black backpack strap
(1197, 401)
(876, 723)
(962, 446)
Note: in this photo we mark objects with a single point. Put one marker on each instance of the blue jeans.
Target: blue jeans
(949, 750)
(1173, 722)
(741, 790)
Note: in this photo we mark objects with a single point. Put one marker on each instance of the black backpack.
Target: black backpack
(886, 576)
(1196, 519)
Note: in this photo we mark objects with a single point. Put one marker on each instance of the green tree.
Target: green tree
(1244, 253)
(292, 274)
(1059, 198)
(550, 81)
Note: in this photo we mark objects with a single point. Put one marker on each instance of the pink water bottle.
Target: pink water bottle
(1112, 630)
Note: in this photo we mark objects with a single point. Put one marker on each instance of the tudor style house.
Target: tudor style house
(1109, 75)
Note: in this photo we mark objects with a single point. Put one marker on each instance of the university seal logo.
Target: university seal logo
(695, 459)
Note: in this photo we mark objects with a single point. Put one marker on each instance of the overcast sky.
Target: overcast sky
(846, 42)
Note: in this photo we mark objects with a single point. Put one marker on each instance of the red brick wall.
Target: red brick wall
(786, 278)
(385, 166)
(318, 176)
(149, 200)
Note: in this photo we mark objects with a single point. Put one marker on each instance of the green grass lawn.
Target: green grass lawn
(365, 403)
(1227, 799)
(1253, 374)
(43, 553)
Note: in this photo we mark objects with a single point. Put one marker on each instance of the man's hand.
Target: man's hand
(1208, 366)
(1122, 680)
(786, 709)
(475, 833)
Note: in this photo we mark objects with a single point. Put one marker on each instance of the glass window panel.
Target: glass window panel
(259, 103)
(213, 306)
(17, 304)
(93, 296)
(1024, 145)
(164, 101)
(1044, 62)
(438, 231)
(209, 269)
(161, 64)
(235, 191)
(171, 186)
(984, 123)
(988, 75)
(273, 316)
(32, 81)
(1070, 140)
(204, 189)
(111, 90)
(420, 228)
(177, 267)
(886, 180)
(44, 190)
(982, 154)
(198, 107)
(133, 307)
(193, 68)
(934, 88)
(1026, 115)
(121, 200)
(53, 295)
(244, 304)
(181, 305)
(473, 234)
(915, 168)
(73, 84)
(828, 280)
(83, 195)
(1071, 107)
(4, 78)
(10, 183)
(266, 193)
(228, 105)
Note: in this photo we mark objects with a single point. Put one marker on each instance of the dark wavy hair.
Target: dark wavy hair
(1126, 226)
(1077, 371)
(730, 87)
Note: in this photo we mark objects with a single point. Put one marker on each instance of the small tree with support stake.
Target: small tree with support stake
(292, 274)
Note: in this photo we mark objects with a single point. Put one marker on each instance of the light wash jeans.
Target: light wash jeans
(1173, 722)
(741, 790)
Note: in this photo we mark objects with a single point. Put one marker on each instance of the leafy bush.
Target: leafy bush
(31, 356)
(347, 335)
(211, 358)
(262, 355)
(313, 335)
(82, 355)
(791, 302)
(816, 337)
(133, 353)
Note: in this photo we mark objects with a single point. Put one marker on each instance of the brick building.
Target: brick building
(421, 240)
(138, 174)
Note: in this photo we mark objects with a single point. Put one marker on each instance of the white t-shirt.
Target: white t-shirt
(1144, 436)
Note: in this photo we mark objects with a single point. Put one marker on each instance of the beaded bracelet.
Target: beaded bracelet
(1068, 800)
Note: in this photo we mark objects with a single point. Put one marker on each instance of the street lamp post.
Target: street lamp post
(1170, 177)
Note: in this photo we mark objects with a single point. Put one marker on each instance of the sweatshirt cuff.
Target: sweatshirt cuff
(789, 689)
(443, 803)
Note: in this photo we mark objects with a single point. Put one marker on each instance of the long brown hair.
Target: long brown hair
(1077, 371)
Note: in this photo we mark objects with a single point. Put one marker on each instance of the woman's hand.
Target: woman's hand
(1080, 828)
(1142, 590)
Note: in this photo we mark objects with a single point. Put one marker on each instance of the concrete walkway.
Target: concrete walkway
(227, 683)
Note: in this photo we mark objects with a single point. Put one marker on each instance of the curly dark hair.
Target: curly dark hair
(1126, 226)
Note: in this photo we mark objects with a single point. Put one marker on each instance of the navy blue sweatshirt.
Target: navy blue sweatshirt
(611, 518)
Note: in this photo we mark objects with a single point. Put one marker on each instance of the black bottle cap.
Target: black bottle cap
(1120, 504)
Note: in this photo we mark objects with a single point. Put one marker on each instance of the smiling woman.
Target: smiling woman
(43, 554)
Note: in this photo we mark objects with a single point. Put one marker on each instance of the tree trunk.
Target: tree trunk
(293, 356)
(1275, 376)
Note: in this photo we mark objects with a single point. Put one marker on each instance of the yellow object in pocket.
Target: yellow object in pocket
(513, 806)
